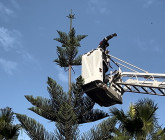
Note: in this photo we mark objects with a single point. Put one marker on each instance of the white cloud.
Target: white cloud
(11, 43)
(148, 3)
(26, 56)
(8, 66)
(97, 6)
(9, 39)
(5, 12)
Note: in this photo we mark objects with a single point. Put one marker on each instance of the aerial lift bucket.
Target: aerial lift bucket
(93, 73)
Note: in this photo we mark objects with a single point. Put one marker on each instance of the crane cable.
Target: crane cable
(126, 63)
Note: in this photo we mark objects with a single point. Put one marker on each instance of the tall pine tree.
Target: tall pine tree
(67, 110)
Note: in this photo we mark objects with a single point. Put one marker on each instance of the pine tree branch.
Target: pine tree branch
(77, 61)
(80, 37)
(67, 123)
(34, 130)
(105, 130)
(47, 114)
(63, 38)
(92, 116)
(40, 102)
(43, 107)
(57, 95)
(83, 105)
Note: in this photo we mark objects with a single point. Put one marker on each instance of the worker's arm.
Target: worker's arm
(110, 36)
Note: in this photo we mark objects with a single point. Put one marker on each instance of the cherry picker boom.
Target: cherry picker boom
(107, 90)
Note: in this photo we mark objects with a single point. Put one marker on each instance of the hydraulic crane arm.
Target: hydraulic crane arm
(149, 83)
(138, 82)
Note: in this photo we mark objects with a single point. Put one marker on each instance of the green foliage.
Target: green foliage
(159, 134)
(8, 130)
(103, 131)
(34, 130)
(70, 39)
(142, 122)
(48, 108)
(83, 105)
(56, 93)
(57, 109)
(66, 110)
(146, 110)
(66, 123)
(139, 123)
(67, 54)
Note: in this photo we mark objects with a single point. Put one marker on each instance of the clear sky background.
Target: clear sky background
(27, 48)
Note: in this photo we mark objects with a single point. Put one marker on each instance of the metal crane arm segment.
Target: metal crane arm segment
(137, 81)
(144, 75)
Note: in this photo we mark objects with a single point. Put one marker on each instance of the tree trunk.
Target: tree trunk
(69, 83)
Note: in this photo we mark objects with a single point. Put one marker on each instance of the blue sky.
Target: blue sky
(27, 48)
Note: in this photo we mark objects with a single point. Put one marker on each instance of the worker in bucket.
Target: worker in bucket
(108, 58)
(106, 66)
(104, 43)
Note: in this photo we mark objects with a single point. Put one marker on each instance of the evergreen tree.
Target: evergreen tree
(67, 54)
(67, 110)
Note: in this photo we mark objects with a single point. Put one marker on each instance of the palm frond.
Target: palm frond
(146, 110)
(8, 130)
(6, 114)
(118, 114)
(121, 135)
(159, 134)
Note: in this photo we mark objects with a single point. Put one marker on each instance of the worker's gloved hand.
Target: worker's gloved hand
(114, 34)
